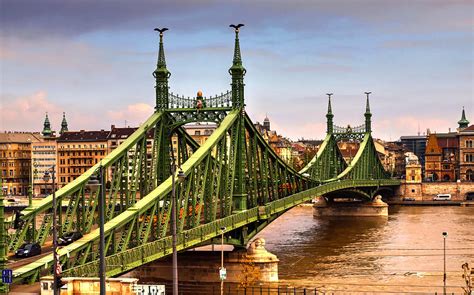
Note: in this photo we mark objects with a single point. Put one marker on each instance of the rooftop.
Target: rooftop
(84, 136)
(20, 137)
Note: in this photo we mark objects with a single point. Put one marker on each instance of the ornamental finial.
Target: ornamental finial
(329, 102)
(367, 106)
(368, 122)
(237, 56)
(161, 54)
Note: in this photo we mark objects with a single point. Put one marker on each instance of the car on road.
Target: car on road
(68, 238)
(28, 250)
(12, 202)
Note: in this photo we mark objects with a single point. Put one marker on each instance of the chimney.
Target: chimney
(112, 127)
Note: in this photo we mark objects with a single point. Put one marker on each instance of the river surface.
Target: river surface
(401, 254)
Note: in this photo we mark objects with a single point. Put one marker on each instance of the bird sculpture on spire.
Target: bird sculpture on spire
(161, 31)
(236, 27)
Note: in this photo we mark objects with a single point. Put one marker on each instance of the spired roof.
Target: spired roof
(46, 127)
(463, 123)
(63, 124)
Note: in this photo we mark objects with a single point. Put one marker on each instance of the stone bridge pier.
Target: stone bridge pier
(377, 207)
(251, 266)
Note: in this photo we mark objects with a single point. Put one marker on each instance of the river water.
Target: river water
(401, 254)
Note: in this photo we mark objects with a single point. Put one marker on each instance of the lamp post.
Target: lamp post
(445, 235)
(222, 259)
(56, 270)
(95, 183)
(181, 177)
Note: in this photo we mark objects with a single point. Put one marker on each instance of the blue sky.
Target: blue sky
(94, 59)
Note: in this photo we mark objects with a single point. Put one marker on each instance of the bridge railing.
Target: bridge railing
(224, 100)
(125, 261)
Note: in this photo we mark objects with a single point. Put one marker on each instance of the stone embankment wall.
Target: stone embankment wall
(428, 190)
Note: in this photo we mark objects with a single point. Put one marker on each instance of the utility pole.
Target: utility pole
(445, 235)
(222, 270)
(3, 246)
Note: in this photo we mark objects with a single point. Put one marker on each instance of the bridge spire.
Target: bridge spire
(237, 71)
(329, 115)
(368, 115)
(161, 75)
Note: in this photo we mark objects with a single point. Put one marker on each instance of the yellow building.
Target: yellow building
(78, 151)
(412, 168)
(15, 161)
(199, 132)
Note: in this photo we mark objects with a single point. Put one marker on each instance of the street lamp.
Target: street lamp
(95, 183)
(445, 235)
(222, 272)
(181, 177)
(56, 267)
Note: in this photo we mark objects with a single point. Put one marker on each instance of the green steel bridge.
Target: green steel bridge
(234, 180)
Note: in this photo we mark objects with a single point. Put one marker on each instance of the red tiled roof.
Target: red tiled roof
(470, 128)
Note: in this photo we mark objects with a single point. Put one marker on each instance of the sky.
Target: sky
(94, 60)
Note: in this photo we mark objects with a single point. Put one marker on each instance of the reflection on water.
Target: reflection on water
(401, 253)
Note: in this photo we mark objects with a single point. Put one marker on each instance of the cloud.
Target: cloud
(27, 112)
(134, 114)
(31, 18)
(392, 128)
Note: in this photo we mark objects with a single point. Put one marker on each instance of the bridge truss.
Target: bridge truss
(234, 180)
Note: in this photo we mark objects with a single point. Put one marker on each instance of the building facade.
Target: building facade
(466, 154)
(199, 132)
(43, 157)
(417, 145)
(15, 161)
(441, 157)
(78, 151)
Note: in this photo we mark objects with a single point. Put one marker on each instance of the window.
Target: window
(469, 157)
(197, 132)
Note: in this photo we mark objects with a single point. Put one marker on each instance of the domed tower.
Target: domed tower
(463, 123)
(63, 124)
(47, 127)
(266, 123)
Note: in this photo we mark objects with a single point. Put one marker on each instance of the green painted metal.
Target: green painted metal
(328, 162)
(366, 163)
(234, 180)
(125, 261)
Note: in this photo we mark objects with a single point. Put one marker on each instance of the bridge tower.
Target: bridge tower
(237, 71)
